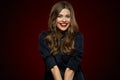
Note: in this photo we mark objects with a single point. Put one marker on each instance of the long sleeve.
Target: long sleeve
(76, 58)
(45, 51)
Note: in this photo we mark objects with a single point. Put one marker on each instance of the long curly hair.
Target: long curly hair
(53, 39)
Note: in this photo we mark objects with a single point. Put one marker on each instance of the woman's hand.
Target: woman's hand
(56, 73)
(69, 74)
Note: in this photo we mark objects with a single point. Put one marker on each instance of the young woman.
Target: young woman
(61, 45)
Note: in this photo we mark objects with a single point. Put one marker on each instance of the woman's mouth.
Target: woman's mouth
(63, 24)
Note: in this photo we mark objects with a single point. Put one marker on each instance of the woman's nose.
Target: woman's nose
(64, 19)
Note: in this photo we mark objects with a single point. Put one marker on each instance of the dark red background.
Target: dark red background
(23, 21)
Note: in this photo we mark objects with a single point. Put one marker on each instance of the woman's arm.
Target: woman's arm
(75, 60)
(48, 58)
(68, 74)
(56, 73)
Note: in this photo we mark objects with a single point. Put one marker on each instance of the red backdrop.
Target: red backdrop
(24, 20)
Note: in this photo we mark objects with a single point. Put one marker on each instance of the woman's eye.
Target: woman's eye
(67, 16)
(59, 16)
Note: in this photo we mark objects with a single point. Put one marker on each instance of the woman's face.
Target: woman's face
(63, 19)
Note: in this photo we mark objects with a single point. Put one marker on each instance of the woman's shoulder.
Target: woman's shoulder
(43, 33)
(78, 39)
(78, 35)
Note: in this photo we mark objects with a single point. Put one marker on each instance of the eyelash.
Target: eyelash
(59, 16)
(68, 16)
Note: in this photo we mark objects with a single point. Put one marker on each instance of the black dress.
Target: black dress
(61, 60)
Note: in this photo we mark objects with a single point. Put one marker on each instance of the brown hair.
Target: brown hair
(54, 37)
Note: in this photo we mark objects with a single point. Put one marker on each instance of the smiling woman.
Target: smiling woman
(62, 44)
(63, 19)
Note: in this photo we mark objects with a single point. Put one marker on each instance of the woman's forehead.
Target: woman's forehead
(65, 11)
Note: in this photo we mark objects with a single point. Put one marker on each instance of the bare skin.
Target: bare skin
(63, 22)
(57, 76)
(68, 74)
(56, 73)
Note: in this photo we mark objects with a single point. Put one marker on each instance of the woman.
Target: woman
(61, 45)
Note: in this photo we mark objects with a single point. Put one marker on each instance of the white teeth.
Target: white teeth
(63, 24)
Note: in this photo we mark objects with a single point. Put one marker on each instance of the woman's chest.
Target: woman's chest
(61, 58)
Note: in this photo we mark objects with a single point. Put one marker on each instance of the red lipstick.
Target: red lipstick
(63, 24)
